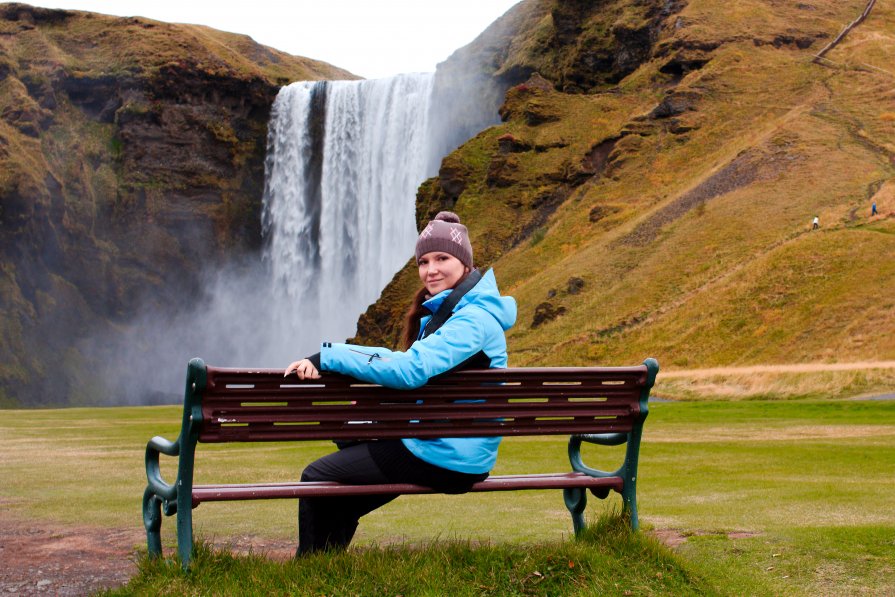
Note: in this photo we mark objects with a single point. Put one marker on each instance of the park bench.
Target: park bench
(600, 405)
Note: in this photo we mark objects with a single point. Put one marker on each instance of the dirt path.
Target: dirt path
(799, 368)
(44, 558)
(41, 558)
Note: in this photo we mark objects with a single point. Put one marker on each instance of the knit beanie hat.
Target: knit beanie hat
(445, 233)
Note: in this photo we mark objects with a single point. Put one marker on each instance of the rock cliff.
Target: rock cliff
(131, 159)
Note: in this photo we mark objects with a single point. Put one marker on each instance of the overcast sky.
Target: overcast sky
(371, 38)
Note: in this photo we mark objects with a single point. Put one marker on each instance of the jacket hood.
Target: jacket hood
(485, 295)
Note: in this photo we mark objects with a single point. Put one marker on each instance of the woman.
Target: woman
(472, 336)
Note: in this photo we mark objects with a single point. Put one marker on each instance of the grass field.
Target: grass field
(608, 559)
(760, 497)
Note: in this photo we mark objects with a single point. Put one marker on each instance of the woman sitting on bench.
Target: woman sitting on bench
(457, 320)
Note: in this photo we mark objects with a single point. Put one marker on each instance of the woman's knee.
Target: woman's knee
(315, 472)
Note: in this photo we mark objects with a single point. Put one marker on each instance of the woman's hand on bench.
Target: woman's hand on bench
(304, 369)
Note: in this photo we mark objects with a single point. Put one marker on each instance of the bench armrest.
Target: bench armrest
(604, 439)
(156, 446)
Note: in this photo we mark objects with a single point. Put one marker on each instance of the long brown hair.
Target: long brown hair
(412, 318)
(416, 312)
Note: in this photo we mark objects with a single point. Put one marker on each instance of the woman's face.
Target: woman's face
(440, 271)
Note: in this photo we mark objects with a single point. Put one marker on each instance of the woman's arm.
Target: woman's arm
(461, 337)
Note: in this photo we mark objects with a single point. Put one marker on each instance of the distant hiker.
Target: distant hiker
(873, 211)
(457, 320)
(816, 224)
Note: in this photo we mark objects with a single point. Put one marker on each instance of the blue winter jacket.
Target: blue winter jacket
(478, 324)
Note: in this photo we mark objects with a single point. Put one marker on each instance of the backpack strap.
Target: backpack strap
(446, 309)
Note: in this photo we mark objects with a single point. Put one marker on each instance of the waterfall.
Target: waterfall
(344, 161)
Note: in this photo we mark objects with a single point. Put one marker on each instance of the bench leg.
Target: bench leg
(184, 533)
(629, 497)
(576, 500)
(152, 520)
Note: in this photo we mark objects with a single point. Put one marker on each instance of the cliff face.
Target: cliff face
(131, 159)
(651, 189)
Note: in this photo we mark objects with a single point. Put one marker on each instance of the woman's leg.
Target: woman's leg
(400, 466)
(330, 522)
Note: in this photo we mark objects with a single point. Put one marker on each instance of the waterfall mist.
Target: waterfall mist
(344, 161)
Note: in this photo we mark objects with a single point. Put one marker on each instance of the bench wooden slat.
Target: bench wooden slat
(234, 492)
(458, 412)
(527, 374)
(298, 404)
(332, 391)
(203, 487)
(543, 401)
(384, 417)
(483, 428)
(339, 431)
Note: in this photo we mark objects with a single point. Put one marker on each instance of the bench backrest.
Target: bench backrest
(260, 405)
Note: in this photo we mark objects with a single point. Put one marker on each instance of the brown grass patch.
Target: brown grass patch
(763, 434)
(676, 537)
(792, 368)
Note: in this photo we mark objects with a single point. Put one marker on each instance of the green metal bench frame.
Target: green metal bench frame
(599, 405)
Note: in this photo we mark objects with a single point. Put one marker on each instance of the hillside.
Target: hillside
(131, 159)
(652, 187)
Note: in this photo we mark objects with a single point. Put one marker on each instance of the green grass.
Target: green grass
(770, 497)
(609, 559)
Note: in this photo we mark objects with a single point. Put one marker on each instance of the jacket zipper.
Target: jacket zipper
(375, 355)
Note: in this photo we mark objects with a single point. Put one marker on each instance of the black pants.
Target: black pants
(330, 522)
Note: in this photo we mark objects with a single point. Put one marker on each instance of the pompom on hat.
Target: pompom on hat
(446, 234)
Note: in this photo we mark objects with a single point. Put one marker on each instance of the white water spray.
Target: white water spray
(344, 162)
